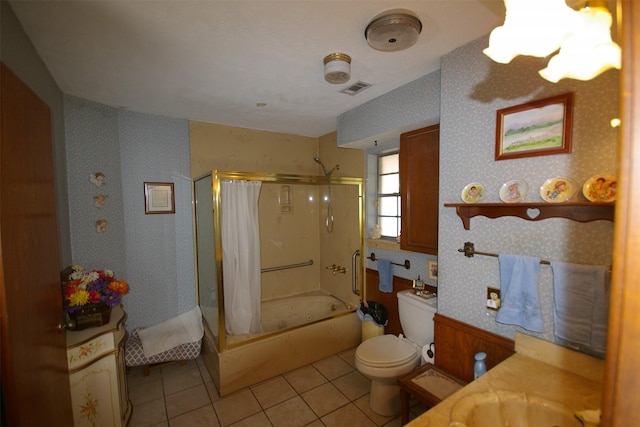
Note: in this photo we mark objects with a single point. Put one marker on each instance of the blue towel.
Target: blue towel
(519, 278)
(581, 308)
(385, 275)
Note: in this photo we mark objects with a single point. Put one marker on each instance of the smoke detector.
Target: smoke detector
(393, 30)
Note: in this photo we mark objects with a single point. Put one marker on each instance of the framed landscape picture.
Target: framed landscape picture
(536, 128)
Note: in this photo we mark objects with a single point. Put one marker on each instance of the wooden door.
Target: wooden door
(621, 398)
(35, 380)
(419, 180)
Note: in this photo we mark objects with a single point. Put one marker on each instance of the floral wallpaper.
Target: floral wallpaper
(473, 88)
(153, 253)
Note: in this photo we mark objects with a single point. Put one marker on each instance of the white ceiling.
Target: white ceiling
(213, 61)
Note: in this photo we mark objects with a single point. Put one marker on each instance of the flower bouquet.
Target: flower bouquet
(90, 295)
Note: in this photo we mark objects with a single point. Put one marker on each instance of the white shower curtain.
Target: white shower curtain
(241, 256)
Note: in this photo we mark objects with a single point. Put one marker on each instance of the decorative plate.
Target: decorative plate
(514, 191)
(600, 188)
(558, 189)
(472, 193)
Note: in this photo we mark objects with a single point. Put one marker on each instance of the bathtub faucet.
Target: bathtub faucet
(336, 269)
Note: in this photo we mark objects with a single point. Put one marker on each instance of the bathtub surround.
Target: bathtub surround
(285, 238)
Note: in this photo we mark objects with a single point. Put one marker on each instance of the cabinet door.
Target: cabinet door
(419, 180)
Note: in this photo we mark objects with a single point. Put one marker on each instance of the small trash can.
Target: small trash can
(374, 319)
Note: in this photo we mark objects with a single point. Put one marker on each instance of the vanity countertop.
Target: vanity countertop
(538, 368)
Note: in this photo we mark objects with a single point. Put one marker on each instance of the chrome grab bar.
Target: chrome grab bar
(284, 267)
(354, 272)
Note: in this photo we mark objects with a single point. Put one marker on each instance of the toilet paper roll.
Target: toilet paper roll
(425, 356)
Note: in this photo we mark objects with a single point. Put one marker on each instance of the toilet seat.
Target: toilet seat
(386, 351)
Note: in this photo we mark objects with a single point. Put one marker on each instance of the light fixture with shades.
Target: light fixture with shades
(541, 27)
(337, 68)
(588, 51)
(531, 28)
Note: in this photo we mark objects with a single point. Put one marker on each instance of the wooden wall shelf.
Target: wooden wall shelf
(579, 211)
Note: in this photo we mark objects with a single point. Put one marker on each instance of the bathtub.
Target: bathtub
(298, 330)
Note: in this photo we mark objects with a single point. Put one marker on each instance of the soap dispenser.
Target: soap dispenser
(479, 367)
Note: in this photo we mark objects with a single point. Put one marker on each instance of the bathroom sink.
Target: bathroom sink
(507, 408)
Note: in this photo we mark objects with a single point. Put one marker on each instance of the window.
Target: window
(389, 195)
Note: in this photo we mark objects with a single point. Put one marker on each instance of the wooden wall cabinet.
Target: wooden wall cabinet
(97, 374)
(419, 180)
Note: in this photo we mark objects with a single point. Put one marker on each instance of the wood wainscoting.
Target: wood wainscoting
(457, 343)
(389, 300)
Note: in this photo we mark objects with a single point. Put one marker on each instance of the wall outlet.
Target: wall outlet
(493, 298)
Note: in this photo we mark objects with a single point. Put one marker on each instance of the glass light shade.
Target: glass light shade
(588, 52)
(337, 68)
(532, 28)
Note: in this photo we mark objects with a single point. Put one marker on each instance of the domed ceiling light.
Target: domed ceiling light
(337, 68)
(393, 30)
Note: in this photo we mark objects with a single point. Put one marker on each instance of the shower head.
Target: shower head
(318, 161)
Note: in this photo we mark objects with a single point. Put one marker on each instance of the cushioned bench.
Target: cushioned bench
(134, 354)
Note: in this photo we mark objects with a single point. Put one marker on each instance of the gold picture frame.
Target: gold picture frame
(159, 198)
(536, 128)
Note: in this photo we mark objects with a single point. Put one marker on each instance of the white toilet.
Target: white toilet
(385, 358)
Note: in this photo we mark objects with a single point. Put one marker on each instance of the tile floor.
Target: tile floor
(330, 392)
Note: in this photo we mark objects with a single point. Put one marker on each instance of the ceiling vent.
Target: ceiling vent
(357, 87)
(393, 30)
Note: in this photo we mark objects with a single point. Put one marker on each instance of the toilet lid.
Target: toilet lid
(385, 350)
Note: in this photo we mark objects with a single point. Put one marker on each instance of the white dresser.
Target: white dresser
(95, 357)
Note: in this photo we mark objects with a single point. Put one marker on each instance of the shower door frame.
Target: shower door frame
(273, 178)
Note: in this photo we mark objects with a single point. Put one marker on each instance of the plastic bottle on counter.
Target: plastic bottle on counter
(479, 367)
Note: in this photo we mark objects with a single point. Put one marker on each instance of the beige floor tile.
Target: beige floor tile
(177, 377)
(324, 399)
(363, 404)
(135, 375)
(349, 416)
(349, 356)
(205, 417)
(394, 423)
(305, 378)
(237, 406)
(148, 413)
(291, 413)
(354, 385)
(273, 391)
(316, 423)
(258, 420)
(333, 367)
(204, 372)
(146, 391)
(186, 400)
(212, 391)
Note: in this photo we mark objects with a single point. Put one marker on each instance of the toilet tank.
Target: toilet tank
(416, 316)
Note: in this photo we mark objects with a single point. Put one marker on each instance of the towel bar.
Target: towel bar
(469, 251)
(406, 264)
(284, 267)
